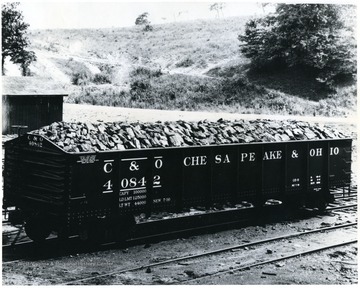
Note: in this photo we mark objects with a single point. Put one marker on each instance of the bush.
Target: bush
(101, 78)
(79, 73)
(148, 28)
(145, 72)
(187, 62)
(140, 85)
(80, 78)
(308, 35)
(238, 89)
(236, 94)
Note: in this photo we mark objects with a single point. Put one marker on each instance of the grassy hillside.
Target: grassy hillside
(190, 66)
(198, 44)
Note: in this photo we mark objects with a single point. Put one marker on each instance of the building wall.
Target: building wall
(33, 111)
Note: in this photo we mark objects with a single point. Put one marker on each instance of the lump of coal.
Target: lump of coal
(92, 137)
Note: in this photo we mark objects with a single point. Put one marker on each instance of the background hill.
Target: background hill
(193, 65)
(186, 47)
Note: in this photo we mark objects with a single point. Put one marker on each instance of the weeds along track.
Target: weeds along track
(237, 251)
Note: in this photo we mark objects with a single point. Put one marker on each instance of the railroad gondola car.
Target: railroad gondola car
(73, 193)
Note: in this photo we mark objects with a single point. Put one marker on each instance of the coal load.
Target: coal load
(87, 137)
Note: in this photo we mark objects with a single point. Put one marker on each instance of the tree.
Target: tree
(179, 14)
(263, 5)
(218, 7)
(14, 40)
(143, 20)
(303, 35)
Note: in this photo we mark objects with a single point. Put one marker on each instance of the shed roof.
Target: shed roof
(31, 86)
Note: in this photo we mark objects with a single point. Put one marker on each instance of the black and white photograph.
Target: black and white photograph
(179, 143)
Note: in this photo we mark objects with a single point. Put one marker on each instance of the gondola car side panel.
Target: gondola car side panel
(250, 173)
(195, 180)
(296, 167)
(340, 163)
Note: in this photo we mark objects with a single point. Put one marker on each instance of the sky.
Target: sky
(102, 14)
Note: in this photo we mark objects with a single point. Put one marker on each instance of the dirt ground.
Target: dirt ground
(330, 267)
(91, 113)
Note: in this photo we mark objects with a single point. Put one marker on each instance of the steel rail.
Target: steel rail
(6, 233)
(51, 238)
(354, 196)
(211, 252)
(341, 207)
(346, 194)
(10, 262)
(246, 267)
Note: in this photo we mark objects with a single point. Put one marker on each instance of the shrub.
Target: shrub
(309, 35)
(238, 88)
(101, 78)
(79, 73)
(80, 78)
(148, 28)
(145, 72)
(187, 62)
(139, 85)
(236, 94)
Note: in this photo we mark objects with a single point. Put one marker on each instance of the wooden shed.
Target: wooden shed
(30, 101)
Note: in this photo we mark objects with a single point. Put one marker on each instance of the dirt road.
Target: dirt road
(91, 113)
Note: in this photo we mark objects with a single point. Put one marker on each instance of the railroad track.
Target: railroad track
(351, 196)
(344, 195)
(265, 262)
(231, 249)
(344, 192)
